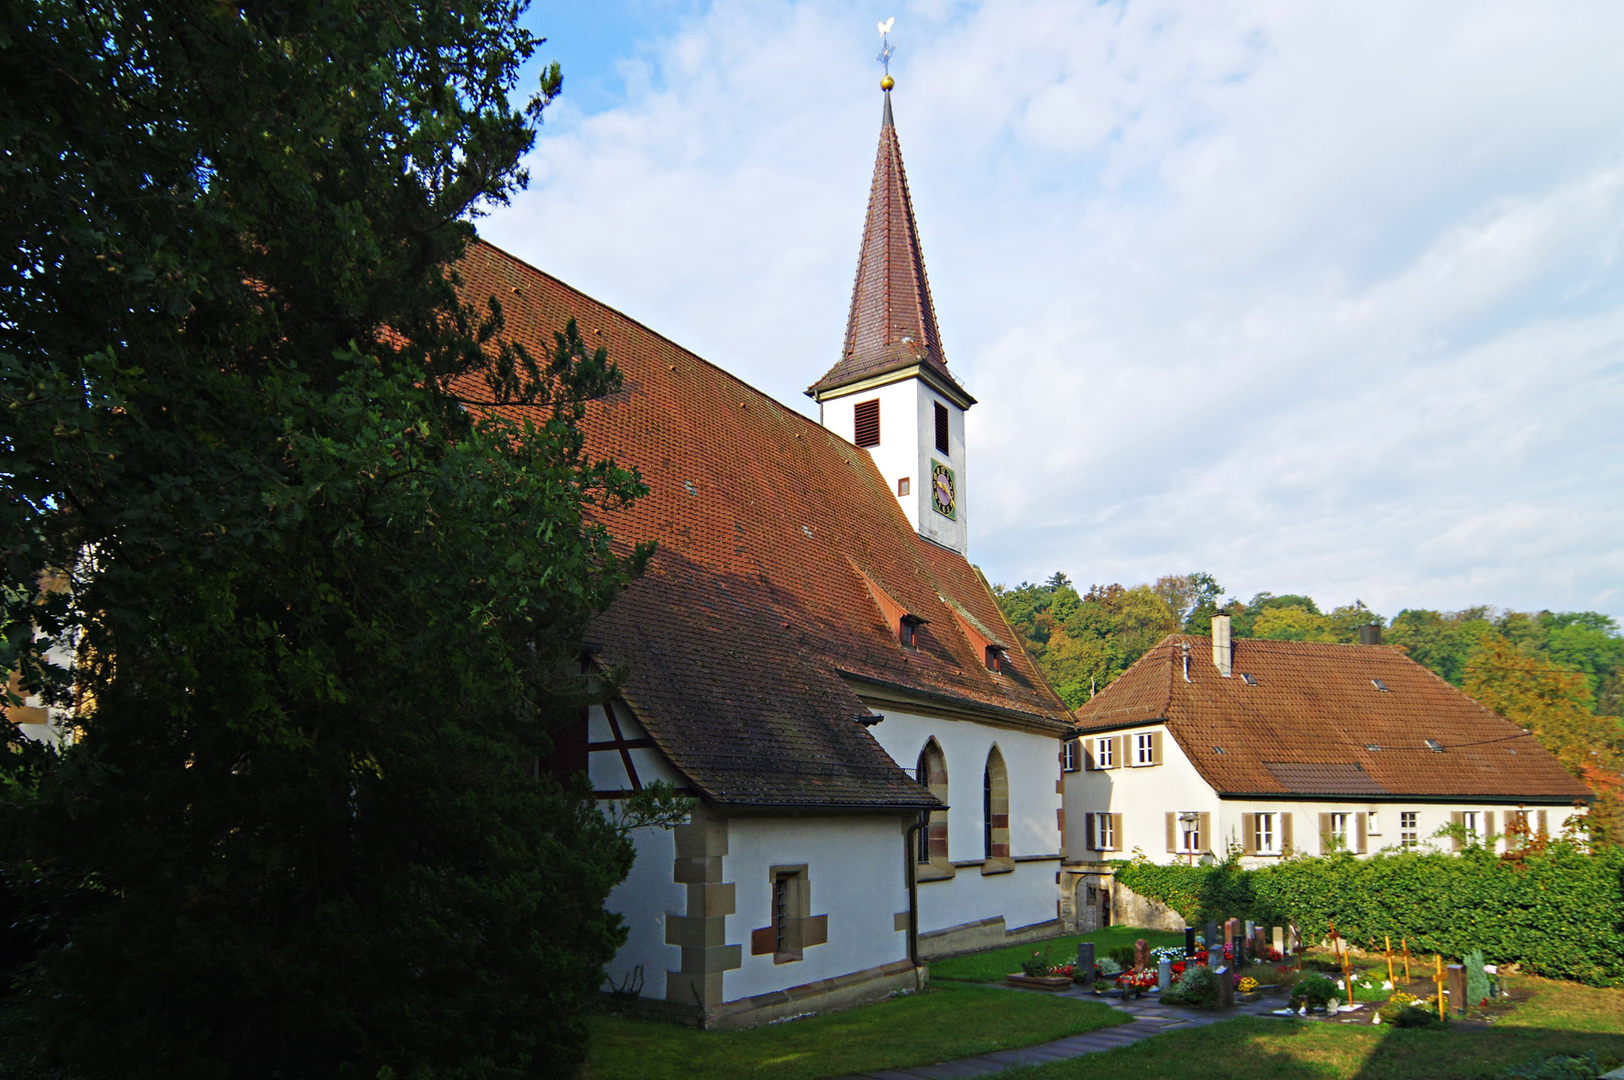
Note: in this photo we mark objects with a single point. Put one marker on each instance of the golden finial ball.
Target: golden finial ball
(887, 83)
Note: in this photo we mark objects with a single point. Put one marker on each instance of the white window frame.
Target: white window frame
(1189, 839)
(1105, 753)
(1071, 755)
(1266, 834)
(1372, 824)
(1144, 749)
(1339, 827)
(1472, 821)
(1104, 835)
(1409, 832)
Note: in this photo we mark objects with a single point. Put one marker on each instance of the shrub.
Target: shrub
(1477, 980)
(1555, 1067)
(1035, 965)
(1408, 1014)
(1199, 988)
(1553, 912)
(1108, 968)
(1316, 990)
(1123, 955)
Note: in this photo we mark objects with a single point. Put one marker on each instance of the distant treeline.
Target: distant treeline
(1559, 674)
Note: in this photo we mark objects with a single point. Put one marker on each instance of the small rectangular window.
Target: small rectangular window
(1434, 745)
(1104, 833)
(941, 426)
(1144, 749)
(908, 632)
(1408, 828)
(1470, 820)
(1069, 755)
(1383, 687)
(1105, 753)
(1263, 835)
(1248, 679)
(868, 423)
(1189, 833)
(1339, 829)
(903, 485)
(1373, 826)
(994, 657)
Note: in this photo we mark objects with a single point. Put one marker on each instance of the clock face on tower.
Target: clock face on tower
(944, 497)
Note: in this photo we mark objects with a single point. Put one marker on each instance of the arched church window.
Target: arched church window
(995, 807)
(931, 773)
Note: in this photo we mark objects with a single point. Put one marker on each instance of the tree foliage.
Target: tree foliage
(1555, 911)
(323, 613)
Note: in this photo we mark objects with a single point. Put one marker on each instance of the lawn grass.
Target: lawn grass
(993, 965)
(948, 1021)
(1559, 1018)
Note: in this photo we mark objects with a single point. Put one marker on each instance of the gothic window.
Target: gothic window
(931, 772)
(995, 807)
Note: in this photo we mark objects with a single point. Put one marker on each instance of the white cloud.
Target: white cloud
(1320, 298)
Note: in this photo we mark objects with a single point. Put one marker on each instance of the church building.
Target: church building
(811, 656)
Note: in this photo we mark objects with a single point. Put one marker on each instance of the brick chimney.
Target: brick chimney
(1370, 634)
(1223, 647)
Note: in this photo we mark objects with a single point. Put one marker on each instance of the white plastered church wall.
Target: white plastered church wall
(854, 874)
(643, 900)
(1025, 896)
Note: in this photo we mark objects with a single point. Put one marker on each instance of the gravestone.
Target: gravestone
(1085, 963)
(1232, 938)
(1189, 943)
(1251, 928)
(1141, 955)
(1457, 988)
(1213, 956)
(1226, 986)
(1279, 941)
(1164, 975)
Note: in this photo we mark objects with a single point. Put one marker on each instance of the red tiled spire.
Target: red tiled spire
(893, 322)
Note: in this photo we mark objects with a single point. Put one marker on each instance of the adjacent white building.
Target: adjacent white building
(1208, 746)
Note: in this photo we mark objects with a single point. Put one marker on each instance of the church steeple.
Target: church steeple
(891, 393)
(892, 324)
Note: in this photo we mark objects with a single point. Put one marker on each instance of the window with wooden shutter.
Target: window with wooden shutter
(1116, 831)
(1325, 834)
(1203, 838)
(868, 423)
(1488, 830)
(1359, 833)
(941, 427)
(1285, 833)
(1155, 748)
(1172, 832)
(1543, 831)
(1248, 834)
(1458, 819)
(1093, 843)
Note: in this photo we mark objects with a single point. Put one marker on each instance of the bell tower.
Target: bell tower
(891, 392)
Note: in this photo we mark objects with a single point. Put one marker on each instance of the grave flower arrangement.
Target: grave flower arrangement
(1245, 984)
(1107, 968)
(1036, 965)
(1136, 981)
(1315, 991)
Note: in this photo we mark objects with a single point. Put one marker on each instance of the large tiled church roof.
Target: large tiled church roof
(755, 602)
(892, 324)
(1313, 721)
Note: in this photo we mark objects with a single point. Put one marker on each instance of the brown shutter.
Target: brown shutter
(1123, 744)
(1457, 819)
(1361, 822)
(1542, 829)
(868, 423)
(1248, 834)
(1116, 832)
(1204, 841)
(1155, 748)
(1325, 833)
(1172, 831)
(1488, 830)
(1089, 819)
(1087, 748)
(1285, 833)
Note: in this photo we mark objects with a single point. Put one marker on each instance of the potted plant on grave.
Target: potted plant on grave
(1038, 974)
(1314, 993)
(1198, 988)
(1106, 970)
(1246, 988)
(1136, 982)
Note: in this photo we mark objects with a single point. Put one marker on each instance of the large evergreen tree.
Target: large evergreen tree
(322, 613)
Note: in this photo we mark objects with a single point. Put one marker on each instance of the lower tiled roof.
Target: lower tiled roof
(733, 641)
(1316, 723)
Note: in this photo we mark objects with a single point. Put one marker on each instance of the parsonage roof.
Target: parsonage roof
(739, 642)
(1323, 720)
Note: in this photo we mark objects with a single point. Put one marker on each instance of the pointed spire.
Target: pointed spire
(892, 324)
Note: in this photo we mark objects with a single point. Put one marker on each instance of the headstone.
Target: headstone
(1085, 962)
(1164, 975)
(1141, 955)
(1457, 988)
(1189, 943)
(1251, 928)
(1232, 937)
(1226, 986)
(1279, 941)
(1213, 955)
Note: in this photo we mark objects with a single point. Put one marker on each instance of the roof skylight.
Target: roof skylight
(1383, 687)
(1247, 679)
(1434, 745)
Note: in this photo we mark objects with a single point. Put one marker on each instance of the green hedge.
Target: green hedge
(1560, 913)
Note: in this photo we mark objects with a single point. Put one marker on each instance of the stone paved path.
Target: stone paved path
(1150, 1017)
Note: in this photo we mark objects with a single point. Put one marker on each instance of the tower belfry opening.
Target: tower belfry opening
(892, 377)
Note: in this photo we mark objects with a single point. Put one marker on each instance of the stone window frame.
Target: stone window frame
(938, 864)
(792, 928)
(997, 857)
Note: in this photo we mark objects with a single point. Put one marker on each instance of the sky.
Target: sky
(1317, 298)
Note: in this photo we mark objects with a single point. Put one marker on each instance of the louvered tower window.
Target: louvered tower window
(941, 426)
(868, 423)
